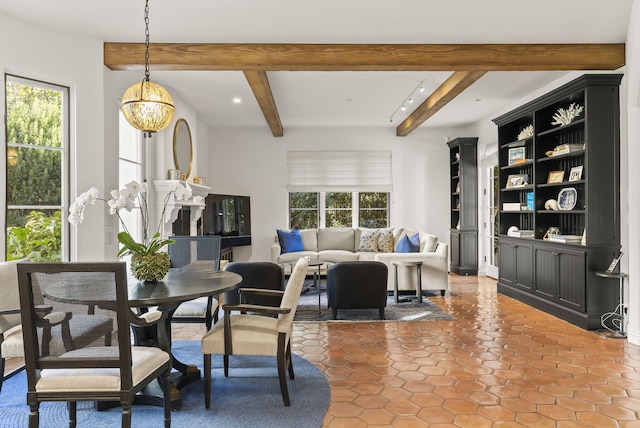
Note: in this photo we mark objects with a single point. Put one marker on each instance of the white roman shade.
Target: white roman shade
(339, 171)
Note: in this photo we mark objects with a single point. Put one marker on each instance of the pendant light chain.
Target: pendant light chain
(146, 105)
(146, 42)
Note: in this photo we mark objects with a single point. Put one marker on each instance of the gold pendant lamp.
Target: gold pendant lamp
(147, 106)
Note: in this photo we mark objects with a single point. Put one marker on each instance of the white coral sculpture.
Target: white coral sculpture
(526, 133)
(565, 117)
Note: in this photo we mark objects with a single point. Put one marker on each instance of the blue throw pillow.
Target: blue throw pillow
(409, 244)
(290, 241)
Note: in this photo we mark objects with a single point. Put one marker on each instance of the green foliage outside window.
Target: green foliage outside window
(339, 208)
(373, 210)
(34, 171)
(303, 210)
(39, 239)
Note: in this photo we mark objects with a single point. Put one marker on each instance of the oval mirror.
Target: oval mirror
(182, 150)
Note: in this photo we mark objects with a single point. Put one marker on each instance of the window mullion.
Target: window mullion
(355, 209)
(322, 207)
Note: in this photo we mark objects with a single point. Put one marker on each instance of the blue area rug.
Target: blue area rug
(250, 397)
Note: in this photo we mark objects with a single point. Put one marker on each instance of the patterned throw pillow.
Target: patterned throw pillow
(385, 241)
(368, 241)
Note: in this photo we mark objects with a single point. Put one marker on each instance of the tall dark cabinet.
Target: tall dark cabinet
(559, 200)
(464, 206)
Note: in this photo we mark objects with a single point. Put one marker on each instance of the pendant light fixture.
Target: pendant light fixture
(147, 106)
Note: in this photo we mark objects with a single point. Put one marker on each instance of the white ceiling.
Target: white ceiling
(338, 98)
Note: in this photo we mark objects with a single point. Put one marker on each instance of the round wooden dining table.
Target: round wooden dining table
(192, 281)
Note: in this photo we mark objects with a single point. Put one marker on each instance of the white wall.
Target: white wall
(33, 52)
(630, 176)
(251, 162)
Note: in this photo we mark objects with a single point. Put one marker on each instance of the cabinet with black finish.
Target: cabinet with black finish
(560, 275)
(559, 194)
(464, 206)
(516, 269)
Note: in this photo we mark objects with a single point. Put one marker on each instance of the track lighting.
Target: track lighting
(408, 100)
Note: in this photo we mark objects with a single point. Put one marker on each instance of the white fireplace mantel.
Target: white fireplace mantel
(163, 187)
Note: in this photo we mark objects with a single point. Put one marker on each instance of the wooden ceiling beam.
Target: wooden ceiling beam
(451, 88)
(262, 91)
(365, 57)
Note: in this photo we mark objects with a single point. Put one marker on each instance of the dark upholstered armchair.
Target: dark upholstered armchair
(264, 275)
(357, 285)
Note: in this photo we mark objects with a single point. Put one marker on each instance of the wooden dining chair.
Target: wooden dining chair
(75, 325)
(185, 250)
(10, 326)
(92, 372)
(255, 331)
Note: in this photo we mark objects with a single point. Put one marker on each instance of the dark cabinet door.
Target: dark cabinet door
(572, 279)
(561, 276)
(507, 255)
(455, 250)
(524, 271)
(469, 250)
(546, 275)
(515, 264)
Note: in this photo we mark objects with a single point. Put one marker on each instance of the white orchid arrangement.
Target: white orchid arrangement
(132, 196)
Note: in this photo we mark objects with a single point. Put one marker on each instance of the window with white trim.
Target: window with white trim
(37, 170)
(339, 188)
(130, 167)
(338, 209)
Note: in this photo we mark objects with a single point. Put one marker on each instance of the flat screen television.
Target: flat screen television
(228, 216)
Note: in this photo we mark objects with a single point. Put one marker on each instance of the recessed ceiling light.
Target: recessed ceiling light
(237, 100)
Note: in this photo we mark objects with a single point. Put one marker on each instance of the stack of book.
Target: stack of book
(566, 239)
(566, 148)
(521, 233)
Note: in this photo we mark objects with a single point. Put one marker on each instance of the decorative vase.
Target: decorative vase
(150, 267)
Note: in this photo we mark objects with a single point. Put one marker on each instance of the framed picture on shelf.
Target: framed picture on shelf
(576, 173)
(516, 180)
(555, 177)
(516, 155)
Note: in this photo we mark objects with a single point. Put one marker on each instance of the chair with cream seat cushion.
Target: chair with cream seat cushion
(10, 327)
(257, 332)
(69, 326)
(92, 372)
(188, 249)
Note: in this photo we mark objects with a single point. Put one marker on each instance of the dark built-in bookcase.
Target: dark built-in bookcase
(559, 277)
(464, 206)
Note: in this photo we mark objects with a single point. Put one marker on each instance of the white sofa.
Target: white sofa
(333, 245)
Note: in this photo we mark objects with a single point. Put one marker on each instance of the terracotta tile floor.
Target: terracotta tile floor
(500, 364)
